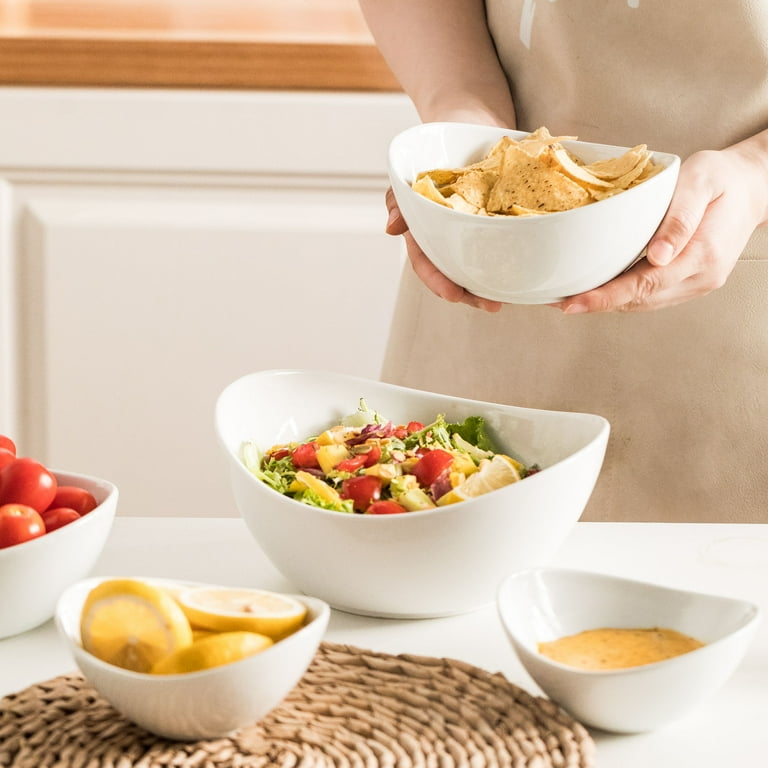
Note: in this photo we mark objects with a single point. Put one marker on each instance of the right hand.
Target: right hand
(425, 270)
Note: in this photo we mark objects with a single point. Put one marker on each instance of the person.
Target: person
(674, 353)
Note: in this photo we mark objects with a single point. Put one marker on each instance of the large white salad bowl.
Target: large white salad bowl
(437, 562)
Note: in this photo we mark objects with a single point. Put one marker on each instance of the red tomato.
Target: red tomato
(26, 481)
(56, 517)
(415, 426)
(6, 457)
(431, 465)
(71, 496)
(362, 489)
(305, 455)
(385, 507)
(373, 455)
(280, 453)
(19, 523)
(8, 444)
(352, 464)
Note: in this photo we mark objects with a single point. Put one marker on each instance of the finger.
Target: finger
(682, 219)
(636, 290)
(396, 224)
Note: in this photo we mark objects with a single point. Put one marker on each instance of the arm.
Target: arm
(442, 53)
(720, 199)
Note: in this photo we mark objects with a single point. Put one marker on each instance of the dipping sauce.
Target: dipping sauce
(618, 648)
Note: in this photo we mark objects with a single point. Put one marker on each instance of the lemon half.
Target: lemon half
(224, 609)
(212, 651)
(132, 624)
(492, 474)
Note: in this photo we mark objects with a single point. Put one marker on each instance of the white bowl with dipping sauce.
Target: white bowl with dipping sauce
(545, 604)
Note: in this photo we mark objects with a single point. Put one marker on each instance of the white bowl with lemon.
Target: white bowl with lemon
(185, 660)
(436, 562)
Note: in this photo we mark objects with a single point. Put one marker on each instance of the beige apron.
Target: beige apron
(684, 388)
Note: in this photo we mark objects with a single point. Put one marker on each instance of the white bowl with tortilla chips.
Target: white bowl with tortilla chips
(542, 219)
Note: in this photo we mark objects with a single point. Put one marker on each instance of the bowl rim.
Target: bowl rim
(233, 453)
(669, 160)
(315, 605)
(755, 615)
(102, 508)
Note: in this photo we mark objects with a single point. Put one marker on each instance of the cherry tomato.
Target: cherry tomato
(8, 444)
(19, 523)
(352, 464)
(362, 489)
(415, 426)
(280, 453)
(6, 457)
(373, 455)
(385, 507)
(57, 517)
(71, 496)
(305, 455)
(431, 465)
(26, 481)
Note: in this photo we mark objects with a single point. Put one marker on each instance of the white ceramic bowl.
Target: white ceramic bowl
(437, 562)
(544, 604)
(532, 259)
(35, 573)
(199, 705)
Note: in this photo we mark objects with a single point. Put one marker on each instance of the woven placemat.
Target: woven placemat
(354, 708)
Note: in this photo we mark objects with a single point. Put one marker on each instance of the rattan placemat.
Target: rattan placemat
(354, 708)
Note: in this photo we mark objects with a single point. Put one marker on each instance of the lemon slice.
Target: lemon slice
(492, 474)
(225, 609)
(212, 651)
(132, 624)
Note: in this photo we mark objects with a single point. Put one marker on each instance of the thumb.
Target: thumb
(678, 226)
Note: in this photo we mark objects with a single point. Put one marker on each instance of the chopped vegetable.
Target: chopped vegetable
(368, 465)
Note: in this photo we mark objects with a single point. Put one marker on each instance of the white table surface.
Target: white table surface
(729, 729)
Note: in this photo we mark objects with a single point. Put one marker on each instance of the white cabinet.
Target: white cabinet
(156, 245)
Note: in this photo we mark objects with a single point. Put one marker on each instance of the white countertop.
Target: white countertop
(730, 729)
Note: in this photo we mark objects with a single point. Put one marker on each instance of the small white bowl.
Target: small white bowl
(438, 562)
(35, 573)
(531, 259)
(544, 604)
(199, 705)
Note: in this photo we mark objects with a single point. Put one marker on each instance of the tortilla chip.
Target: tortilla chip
(534, 184)
(533, 176)
(615, 167)
(425, 186)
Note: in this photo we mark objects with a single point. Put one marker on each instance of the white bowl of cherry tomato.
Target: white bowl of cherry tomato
(51, 522)
(417, 543)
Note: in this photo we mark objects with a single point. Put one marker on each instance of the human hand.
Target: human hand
(425, 270)
(720, 199)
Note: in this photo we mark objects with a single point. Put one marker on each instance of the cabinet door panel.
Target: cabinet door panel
(138, 304)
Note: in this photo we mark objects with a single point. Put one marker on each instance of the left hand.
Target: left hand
(720, 199)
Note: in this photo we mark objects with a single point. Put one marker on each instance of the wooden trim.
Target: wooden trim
(269, 44)
(193, 63)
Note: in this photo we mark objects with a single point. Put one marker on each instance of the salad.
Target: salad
(369, 465)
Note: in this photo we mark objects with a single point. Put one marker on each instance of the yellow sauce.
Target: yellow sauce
(618, 648)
